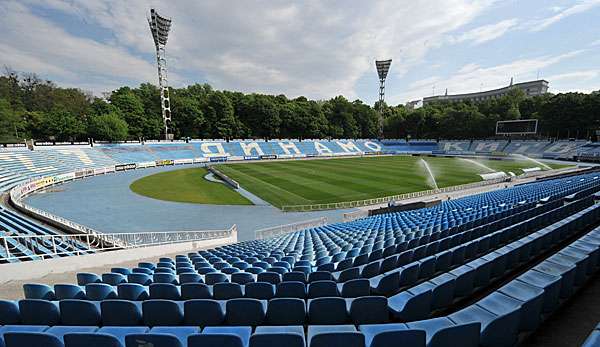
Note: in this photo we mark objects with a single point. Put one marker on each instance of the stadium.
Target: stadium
(361, 234)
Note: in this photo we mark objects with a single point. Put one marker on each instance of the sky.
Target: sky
(318, 49)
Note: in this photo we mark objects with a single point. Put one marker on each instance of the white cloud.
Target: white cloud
(313, 48)
(581, 7)
(488, 32)
(579, 76)
(470, 78)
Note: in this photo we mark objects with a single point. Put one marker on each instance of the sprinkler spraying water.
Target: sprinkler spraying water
(546, 167)
(430, 179)
(481, 165)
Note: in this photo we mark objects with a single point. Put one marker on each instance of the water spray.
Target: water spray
(430, 179)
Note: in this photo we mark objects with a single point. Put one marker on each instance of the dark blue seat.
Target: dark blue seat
(320, 276)
(79, 312)
(224, 291)
(354, 288)
(259, 290)
(327, 311)
(162, 313)
(105, 337)
(164, 278)
(162, 337)
(132, 291)
(496, 329)
(269, 336)
(195, 291)
(405, 306)
(31, 339)
(166, 291)
(291, 290)
(531, 299)
(100, 291)
(269, 277)
(113, 279)
(121, 313)
(221, 337)
(215, 277)
(139, 278)
(121, 270)
(369, 310)
(39, 312)
(190, 277)
(442, 332)
(9, 312)
(38, 291)
(334, 336)
(286, 311)
(245, 311)
(297, 276)
(84, 278)
(203, 312)
(383, 335)
(242, 278)
(319, 289)
(60, 331)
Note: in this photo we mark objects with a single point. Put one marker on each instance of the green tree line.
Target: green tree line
(33, 108)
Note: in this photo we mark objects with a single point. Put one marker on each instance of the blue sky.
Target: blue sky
(319, 49)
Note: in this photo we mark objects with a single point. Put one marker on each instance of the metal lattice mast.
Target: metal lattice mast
(383, 66)
(159, 27)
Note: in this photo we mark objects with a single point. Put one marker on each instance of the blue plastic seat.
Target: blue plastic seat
(38, 291)
(383, 335)
(215, 277)
(406, 306)
(269, 336)
(190, 277)
(259, 290)
(327, 311)
(334, 336)
(31, 339)
(105, 337)
(84, 278)
(269, 277)
(319, 289)
(39, 312)
(166, 291)
(442, 332)
(100, 291)
(162, 337)
(221, 337)
(121, 270)
(242, 278)
(79, 312)
(224, 291)
(165, 278)
(532, 303)
(120, 313)
(245, 311)
(297, 276)
(139, 278)
(195, 291)
(9, 312)
(369, 310)
(496, 329)
(291, 290)
(113, 279)
(162, 313)
(203, 312)
(132, 291)
(320, 276)
(354, 288)
(286, 311)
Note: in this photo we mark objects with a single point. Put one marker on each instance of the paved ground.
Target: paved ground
(571, 325)
(91, 200)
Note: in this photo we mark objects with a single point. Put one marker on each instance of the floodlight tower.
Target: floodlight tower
(383, 66)
(159, 27)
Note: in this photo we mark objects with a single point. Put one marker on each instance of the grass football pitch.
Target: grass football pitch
(304, 182)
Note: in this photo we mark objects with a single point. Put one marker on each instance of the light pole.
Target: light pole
(383, 66)
(159, 27)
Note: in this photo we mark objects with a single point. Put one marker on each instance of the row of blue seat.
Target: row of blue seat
(593, 340)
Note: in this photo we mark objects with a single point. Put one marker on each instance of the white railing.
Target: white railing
(386, 199)
(37, 247)
(289, 228)
(354, 215)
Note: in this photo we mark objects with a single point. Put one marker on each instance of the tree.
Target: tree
(61, 125)
(108, 127)
(11, 126)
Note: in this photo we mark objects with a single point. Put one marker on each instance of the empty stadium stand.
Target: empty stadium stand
(484, 270)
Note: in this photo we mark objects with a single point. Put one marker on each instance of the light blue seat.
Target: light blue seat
(271, 336)
(334, 336)
(221, 337)
(162, 337)
(382, 335)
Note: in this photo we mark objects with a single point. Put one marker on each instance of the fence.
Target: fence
(288, 228)
(386, 199)
(37, 247)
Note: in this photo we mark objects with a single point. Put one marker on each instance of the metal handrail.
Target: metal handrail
(289, 228)
(37, 247)
(386, 199)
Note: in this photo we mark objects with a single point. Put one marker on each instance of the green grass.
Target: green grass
(187, 185)
(305, 182)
